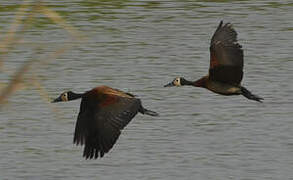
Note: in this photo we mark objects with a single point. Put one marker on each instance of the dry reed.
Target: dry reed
(23, 20)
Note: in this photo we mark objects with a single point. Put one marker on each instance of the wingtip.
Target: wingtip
(220, 24)
(228, 24)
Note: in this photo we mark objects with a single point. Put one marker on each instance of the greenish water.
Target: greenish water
(138, 46)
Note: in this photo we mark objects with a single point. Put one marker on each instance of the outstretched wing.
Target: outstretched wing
(99, 126)
(226, 56)
(82, 126)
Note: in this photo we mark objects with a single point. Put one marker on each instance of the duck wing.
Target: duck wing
(100, 124)
(226, 56)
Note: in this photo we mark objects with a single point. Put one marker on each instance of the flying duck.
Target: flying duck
(226, 66)
(103, 113)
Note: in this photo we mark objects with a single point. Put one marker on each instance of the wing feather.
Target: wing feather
(82, 124)
(226, 56)
(100, 125)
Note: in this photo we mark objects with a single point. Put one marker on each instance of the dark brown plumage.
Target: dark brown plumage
(104, 112)
(226, 56)
(226, 66)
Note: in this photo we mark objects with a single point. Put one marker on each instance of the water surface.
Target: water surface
(138, 46)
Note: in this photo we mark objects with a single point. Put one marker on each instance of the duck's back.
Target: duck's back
(105, 90)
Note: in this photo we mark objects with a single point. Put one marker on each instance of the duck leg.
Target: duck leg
(246, 93)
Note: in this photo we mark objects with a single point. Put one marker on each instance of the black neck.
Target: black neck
(74, 96)
(186, 82)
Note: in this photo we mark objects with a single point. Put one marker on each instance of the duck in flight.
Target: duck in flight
(226, 66)
(104, 112)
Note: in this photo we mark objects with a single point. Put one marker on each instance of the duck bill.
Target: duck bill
(57, 100)
(169, 84)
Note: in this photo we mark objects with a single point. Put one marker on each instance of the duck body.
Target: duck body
(222, 88)
(226, 66)
(104, 112)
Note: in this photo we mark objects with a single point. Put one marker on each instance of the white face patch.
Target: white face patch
(64, 96)
(177, 82)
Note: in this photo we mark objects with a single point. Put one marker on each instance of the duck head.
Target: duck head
(67, 96)
(179, 81)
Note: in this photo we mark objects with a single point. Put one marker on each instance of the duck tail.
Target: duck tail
(246, 93)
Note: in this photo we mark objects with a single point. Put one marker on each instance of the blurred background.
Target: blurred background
(50, 46)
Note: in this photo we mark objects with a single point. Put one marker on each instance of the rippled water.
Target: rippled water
(138, 46)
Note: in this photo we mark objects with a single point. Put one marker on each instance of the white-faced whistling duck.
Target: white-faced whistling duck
(226, 66)
(104, 112)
